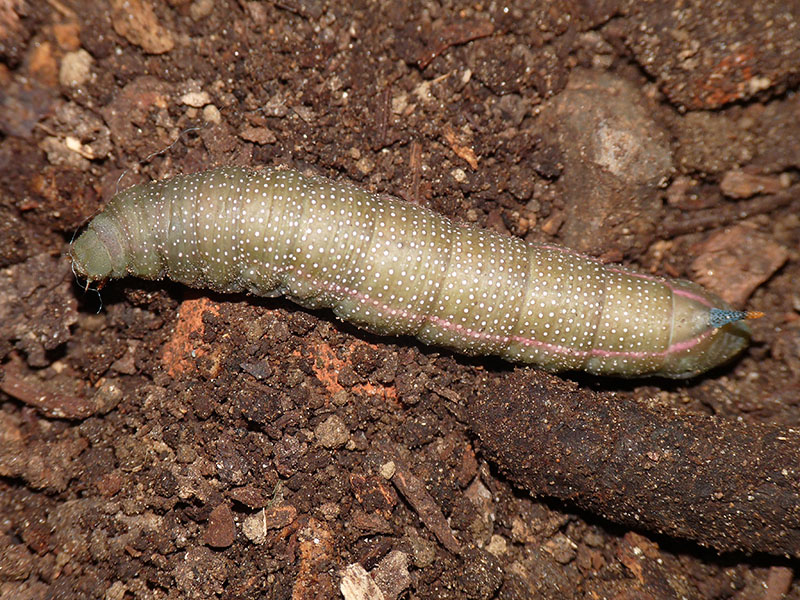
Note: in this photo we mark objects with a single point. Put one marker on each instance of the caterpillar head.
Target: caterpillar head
(97, 254)
(119, 241)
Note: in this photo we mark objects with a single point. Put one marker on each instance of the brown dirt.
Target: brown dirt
(187, 445)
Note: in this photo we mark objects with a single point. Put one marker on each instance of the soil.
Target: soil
(162, 442)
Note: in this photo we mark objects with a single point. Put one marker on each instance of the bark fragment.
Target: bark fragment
(724, 484)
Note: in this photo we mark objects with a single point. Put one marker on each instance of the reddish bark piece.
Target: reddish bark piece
(279, 517)
(61, 406)
(462, 149)
(136, 21)
(779, 582)
(370, 523)
(221, 530)
(682, 222)
(734, 262)
(453, 35)
(413, 490)
(250, 496)
(741, 184)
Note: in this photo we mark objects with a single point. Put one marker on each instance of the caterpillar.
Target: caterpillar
(393, 267)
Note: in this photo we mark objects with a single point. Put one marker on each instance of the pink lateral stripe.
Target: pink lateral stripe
(691, 296)
(479, 335)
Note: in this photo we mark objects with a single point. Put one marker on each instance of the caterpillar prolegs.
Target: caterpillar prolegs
(393, 267)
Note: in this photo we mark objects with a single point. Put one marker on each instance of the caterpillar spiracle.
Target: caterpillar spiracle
(393, 267)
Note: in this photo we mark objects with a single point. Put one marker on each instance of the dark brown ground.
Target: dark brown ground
(181, 444)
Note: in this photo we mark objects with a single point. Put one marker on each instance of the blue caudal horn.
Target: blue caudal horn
(720, 316)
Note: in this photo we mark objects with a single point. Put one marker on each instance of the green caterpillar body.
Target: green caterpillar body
(393, 267)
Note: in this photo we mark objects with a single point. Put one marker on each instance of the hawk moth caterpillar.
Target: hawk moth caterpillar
(393, 267)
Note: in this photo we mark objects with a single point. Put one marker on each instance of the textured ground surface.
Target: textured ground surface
(187, 445)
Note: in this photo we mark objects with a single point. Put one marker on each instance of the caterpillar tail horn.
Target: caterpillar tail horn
(720, 316)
